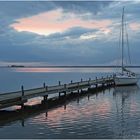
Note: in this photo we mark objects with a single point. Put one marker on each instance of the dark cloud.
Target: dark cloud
(74, 32)
(57, 48)
(83, 6)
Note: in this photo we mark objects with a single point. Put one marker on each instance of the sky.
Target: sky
(67, 32)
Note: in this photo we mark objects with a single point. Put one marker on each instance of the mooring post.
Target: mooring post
(96, 80)
(107, 77)
(65, 86)
(89, 81)
(107, 80)
(44, 85)
(96, 86)
(59, 83)
(110, 80)
(22, 90)
(45, 97)
(59, 94)
(96, 83)
(65, 93)
(78, 87)
(46, 88)
(102, 81)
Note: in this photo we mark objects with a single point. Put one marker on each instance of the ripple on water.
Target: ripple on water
(108, 115)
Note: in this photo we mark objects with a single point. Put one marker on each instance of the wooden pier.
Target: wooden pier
(22, 96)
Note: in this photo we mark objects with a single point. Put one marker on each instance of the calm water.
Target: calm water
(114, 113)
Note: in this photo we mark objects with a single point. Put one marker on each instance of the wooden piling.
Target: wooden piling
(45, 98)
(46, 88)
(89, 81)
(65, 86)
(59, 83)
(96, 85)
(78, 87)
(59, 94)
(22, 90)
(44, 85)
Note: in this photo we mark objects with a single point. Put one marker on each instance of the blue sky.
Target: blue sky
(66, 33)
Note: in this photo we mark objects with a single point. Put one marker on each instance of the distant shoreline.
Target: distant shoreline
(69, 67)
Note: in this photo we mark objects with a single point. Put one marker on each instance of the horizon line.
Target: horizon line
(70, 66)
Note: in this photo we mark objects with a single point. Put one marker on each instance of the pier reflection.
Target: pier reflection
(8, 117)
(114, 113)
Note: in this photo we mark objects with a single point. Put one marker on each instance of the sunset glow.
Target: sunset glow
(135, 26)
(57, 21)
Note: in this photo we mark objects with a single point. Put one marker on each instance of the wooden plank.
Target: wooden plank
(36, 92)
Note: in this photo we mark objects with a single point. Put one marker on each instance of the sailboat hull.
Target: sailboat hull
(121, 81)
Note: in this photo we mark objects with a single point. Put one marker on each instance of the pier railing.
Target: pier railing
(19, 97)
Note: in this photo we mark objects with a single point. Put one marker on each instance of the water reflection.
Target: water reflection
(124, 101)
(54, 70)
(114, 113)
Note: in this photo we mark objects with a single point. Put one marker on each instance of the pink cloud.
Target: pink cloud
(134, 26)
(57, 21)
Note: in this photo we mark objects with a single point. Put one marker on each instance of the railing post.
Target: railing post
(89, 81)
(103, 81)
(59, 94)
(22, 90)
(46, 88)
(44, 85)
(96, 79)
(59, 83)
(78, 87)
(96, 83)
(107, 77)
(106, 80)
(65, 89)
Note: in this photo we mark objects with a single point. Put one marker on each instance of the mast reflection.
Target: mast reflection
(123, 100)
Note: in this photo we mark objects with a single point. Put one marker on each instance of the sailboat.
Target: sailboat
(126, 77)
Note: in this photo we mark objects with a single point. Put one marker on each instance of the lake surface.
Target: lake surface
(114, 113)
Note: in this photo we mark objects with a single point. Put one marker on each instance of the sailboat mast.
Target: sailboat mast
(122, 38)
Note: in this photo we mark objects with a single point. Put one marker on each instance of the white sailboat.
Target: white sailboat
(126, 77)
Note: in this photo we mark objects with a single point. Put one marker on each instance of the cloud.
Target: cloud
(57, 21)
(88, 35)
(134, 26)
(93, 7)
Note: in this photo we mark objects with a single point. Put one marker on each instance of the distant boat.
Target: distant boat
(126, 77)
(17, 66)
